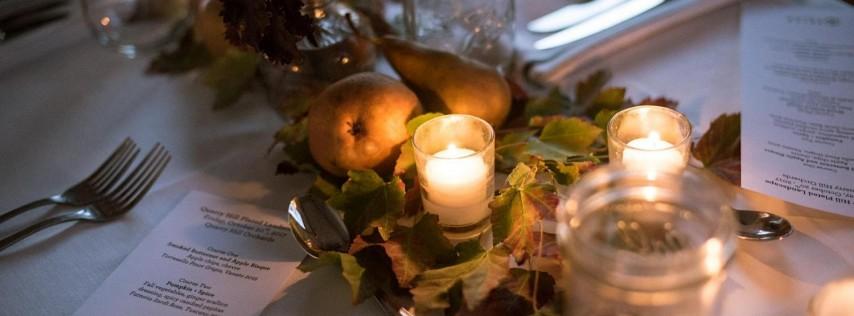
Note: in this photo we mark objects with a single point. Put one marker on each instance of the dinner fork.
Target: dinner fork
(116, 203)
(93, 187)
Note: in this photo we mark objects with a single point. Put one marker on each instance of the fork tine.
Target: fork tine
(149, 182)
(111, 161)
(119, 190)
(116, 173)
(159, 152)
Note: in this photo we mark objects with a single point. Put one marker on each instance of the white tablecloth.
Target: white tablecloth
(65, 103)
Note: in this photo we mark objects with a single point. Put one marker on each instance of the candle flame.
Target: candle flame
(649, 193)
(654, 135)
(452, 146)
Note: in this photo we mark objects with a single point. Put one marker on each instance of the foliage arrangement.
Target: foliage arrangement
(399, 250)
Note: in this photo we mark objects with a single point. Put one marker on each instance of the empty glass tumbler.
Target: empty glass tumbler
(135, 26)
(642, 244)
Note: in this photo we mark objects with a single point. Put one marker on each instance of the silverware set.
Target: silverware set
(104, 195)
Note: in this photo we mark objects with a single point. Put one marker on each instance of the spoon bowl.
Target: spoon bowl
(755, 225)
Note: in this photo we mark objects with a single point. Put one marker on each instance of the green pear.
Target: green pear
(448, 83)
(359, 122)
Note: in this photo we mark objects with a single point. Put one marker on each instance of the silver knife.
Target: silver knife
(570, 15)
(614, 16)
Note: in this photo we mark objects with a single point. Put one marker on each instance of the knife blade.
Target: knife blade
(570, 15)
(614, 16)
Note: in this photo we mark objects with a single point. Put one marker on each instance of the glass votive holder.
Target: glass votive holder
(650, 138)
(639, 245)
(455, 159)
(834, 299)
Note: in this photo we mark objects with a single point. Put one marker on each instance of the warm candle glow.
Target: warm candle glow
(456, 186)
(652, 153)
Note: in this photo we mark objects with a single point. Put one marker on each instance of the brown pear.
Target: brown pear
(449, 83)
(359, 122)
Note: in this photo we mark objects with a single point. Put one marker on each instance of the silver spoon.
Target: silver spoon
(754, 225)
(318, 228)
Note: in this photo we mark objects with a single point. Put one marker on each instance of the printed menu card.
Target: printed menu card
(797, 131)
(209, 256)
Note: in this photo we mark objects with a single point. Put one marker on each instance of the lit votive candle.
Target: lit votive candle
(649, 138)
(455, 157)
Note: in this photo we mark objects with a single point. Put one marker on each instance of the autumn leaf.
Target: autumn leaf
(660, 101)
(187, 56)
(603, 117)
(527, 284)
(350, 270)
(587, 90)
(553, 103)
(611, 98)
(564, 138)
(414, 250)
(563, 173)
(368, 202)
(720, 147)
(405, 164)
(230, 76)
(519, 207)
(478, 276)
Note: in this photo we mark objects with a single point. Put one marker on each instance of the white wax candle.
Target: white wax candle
(456, 186)
(652, 153)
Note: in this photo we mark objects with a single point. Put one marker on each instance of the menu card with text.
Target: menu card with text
(797, 77)
(209, 256)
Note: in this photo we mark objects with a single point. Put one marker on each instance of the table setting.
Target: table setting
(411, 157)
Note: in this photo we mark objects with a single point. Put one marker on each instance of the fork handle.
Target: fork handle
(26, 207)
(32, 229)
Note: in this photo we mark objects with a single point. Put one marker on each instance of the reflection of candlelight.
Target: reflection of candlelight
(456, 181)
(651, 153)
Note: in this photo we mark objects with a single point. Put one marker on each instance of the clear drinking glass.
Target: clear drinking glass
(338, 54)
(640, 245)
(134, 26)
(455, 158)
(480, 29)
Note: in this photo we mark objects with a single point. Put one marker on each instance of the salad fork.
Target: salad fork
(117, 202)
(93, 187)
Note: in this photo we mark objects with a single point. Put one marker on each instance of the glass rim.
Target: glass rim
(611, 129)
(490, 140)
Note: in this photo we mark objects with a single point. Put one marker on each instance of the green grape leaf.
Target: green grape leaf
(572, 134)
(720, 147)
(479, 276)
(368, 202)
(553, 103)
(603, 117)
(405, 164)
(512, 149)
(230, 76)
(415, 122)
(610, 98)
(350, 269)
(187, 56)
(564, 138)
(520, 206)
